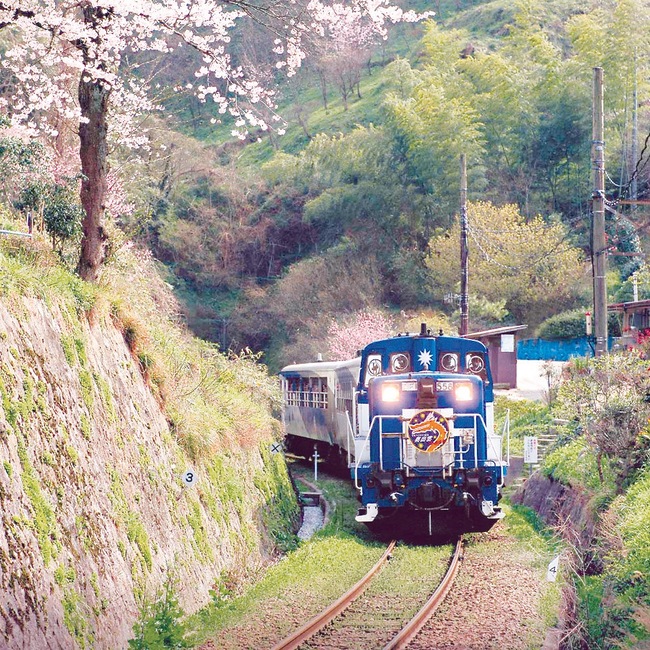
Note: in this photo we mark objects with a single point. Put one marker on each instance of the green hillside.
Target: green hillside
(372, 183)
(342, 212)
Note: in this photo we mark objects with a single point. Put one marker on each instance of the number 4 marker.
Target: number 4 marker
(551, 574)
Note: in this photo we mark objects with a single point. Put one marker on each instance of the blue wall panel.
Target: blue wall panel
(554, 350)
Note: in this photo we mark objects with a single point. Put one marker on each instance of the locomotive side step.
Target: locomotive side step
(367, 514)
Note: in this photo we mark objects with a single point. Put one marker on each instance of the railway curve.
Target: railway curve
(356, 621)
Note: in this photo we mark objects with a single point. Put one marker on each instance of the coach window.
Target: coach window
(292, 387)
(322, 393)
(317, 392)
(344, 396)
(303, 394)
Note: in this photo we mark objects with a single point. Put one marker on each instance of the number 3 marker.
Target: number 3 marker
(189, 478)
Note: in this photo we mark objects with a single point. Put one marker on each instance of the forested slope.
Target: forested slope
(367, 186)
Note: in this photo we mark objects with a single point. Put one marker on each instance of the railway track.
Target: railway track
(343, 633)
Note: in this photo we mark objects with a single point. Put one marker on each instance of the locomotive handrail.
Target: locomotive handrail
(506, 432)
(349, 430)
(366, 442)
(476, 417)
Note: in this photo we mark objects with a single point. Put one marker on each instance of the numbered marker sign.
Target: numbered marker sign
(553, 567)
(189, 478)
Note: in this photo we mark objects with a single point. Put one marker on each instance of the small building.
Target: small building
(635, 325)
(502, 350)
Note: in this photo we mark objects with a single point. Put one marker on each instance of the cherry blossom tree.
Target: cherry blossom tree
(365, 327)
(344, 50)
(67, 58)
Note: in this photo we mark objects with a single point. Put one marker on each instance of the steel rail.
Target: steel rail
(413, 627)
(321, 620)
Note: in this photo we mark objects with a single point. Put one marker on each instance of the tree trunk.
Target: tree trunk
(94, 96)
(323, 88)
(93, 132)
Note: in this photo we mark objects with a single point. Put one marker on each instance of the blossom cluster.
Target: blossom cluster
(57, 43)
(365, 327)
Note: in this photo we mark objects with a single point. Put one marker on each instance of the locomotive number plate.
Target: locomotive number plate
(443, 386)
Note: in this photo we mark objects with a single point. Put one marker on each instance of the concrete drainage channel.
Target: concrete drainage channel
(314, 512)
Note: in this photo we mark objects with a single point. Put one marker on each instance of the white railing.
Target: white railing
(349, 437)
(493, 444)
(315, 399)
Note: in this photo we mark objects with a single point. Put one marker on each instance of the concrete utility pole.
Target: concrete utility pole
(464, 251)
(598, 244)
(634, 185)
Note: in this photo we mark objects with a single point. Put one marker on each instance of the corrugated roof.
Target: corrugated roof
(626, 306)
(508, 329)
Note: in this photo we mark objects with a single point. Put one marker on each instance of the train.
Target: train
(412, 420)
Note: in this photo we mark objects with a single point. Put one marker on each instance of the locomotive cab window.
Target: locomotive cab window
(475, 364)
(373, 367)
(400, 362)
(448, 361)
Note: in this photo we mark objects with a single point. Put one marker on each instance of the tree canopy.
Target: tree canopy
(530, 265)
(71, 61)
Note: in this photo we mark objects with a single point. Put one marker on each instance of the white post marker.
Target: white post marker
(553, 567)
(189, 478)
(276, 447)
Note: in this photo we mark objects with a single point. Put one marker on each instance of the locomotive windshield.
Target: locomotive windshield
(400, 363)
(374, 365)
(386, 362)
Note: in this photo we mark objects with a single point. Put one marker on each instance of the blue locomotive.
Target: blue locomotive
(413, 420)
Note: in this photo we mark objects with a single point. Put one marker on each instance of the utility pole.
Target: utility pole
(464, 251)
(634, 185)
(598, 244)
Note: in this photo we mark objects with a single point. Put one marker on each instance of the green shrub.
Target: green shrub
(571, 325)
(160, 624)
(527, 418)
(599, 612)
(632, 567)
(576, 464)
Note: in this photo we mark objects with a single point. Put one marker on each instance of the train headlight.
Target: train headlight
(463, 392)
(390, 393)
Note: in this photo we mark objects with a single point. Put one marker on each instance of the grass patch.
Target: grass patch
(43, 520)
(135, 530)
(527, 418)
(214, 403)
(535, 537)
(75, 619)
(576, 464)
(315, 573)
(318, 572)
